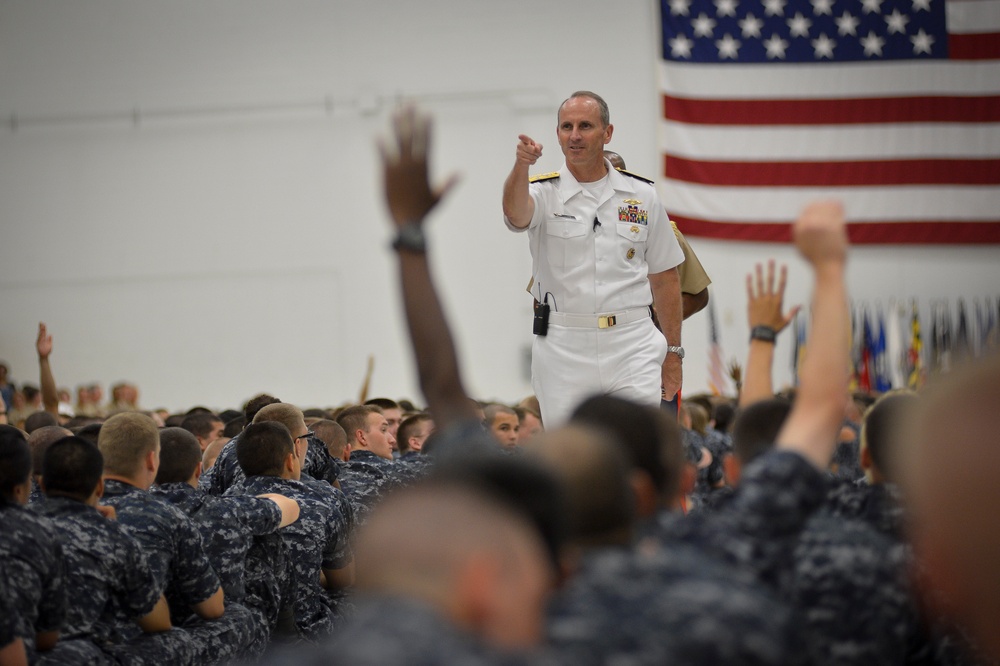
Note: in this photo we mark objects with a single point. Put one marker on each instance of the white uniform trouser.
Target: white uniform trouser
(570, 365)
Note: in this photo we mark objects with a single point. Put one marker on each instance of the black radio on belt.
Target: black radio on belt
(540, 324)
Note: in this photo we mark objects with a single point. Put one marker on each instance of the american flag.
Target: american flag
(717, 379)
(892, 106)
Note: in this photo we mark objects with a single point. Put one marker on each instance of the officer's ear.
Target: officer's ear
(290, 463)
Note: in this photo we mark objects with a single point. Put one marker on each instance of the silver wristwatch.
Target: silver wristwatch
(671, 349)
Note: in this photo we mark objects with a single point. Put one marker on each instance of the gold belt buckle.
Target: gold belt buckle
(606, 321)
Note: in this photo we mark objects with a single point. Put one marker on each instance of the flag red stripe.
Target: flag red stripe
(946, 109)
(832, 174)
(954, 232)
(978, 46)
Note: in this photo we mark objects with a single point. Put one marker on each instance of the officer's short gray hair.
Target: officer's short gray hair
(605, 113)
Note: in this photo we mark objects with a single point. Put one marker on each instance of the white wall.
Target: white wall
(189, 194)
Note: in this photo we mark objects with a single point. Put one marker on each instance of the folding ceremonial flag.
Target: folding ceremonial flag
(892, 106)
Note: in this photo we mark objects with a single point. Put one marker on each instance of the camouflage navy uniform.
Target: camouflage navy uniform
(8, 617)
(317, 540)
(226, 471)
(366, 477)
(846, 461)
(671, 607)
(36, 494)
(880, 507)
(217, 478)
(758, 528)
(852, 591)
(31, 560)
(228, 526)
(177, 558)
(110, 585)
(876, 504)
(419, 464)
(391, 631)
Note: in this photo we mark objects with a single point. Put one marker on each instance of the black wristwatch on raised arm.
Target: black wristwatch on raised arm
(410, 239)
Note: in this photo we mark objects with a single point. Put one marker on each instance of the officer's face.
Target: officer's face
(582, 136)
(380, 440)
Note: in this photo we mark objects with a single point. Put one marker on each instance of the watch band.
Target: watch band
(410, 239)
(764, 334)
(671, 349)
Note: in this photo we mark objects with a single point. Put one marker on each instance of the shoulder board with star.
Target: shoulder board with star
(636, 176)
(543, 176)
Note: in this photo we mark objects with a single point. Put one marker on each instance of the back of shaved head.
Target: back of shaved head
(40, 440)
(420, 542)
(419, 536)
(949, 465)
(595, 474)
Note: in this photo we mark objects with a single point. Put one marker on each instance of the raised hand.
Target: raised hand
(528, 151)
(44, 342)
(408, 191)
(820, 234)
(765, 301)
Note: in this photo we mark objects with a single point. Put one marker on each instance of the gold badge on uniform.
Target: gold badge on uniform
(631, 202)
(630, 253)
(634, 229)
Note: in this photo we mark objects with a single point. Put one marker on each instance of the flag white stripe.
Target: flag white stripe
(846, 142)
(828, 81)
(973, 17)
(908, 203)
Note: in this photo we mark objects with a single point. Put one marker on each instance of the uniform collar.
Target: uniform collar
(569, 186)
(114, 487)
(368, 456)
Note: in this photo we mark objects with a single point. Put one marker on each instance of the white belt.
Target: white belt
(599, 321)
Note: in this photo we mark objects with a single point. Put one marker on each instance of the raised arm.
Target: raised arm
(410, 198)
(765, 303)
(666, 288)
(518, 206)
(50, 395)
(812, 426)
